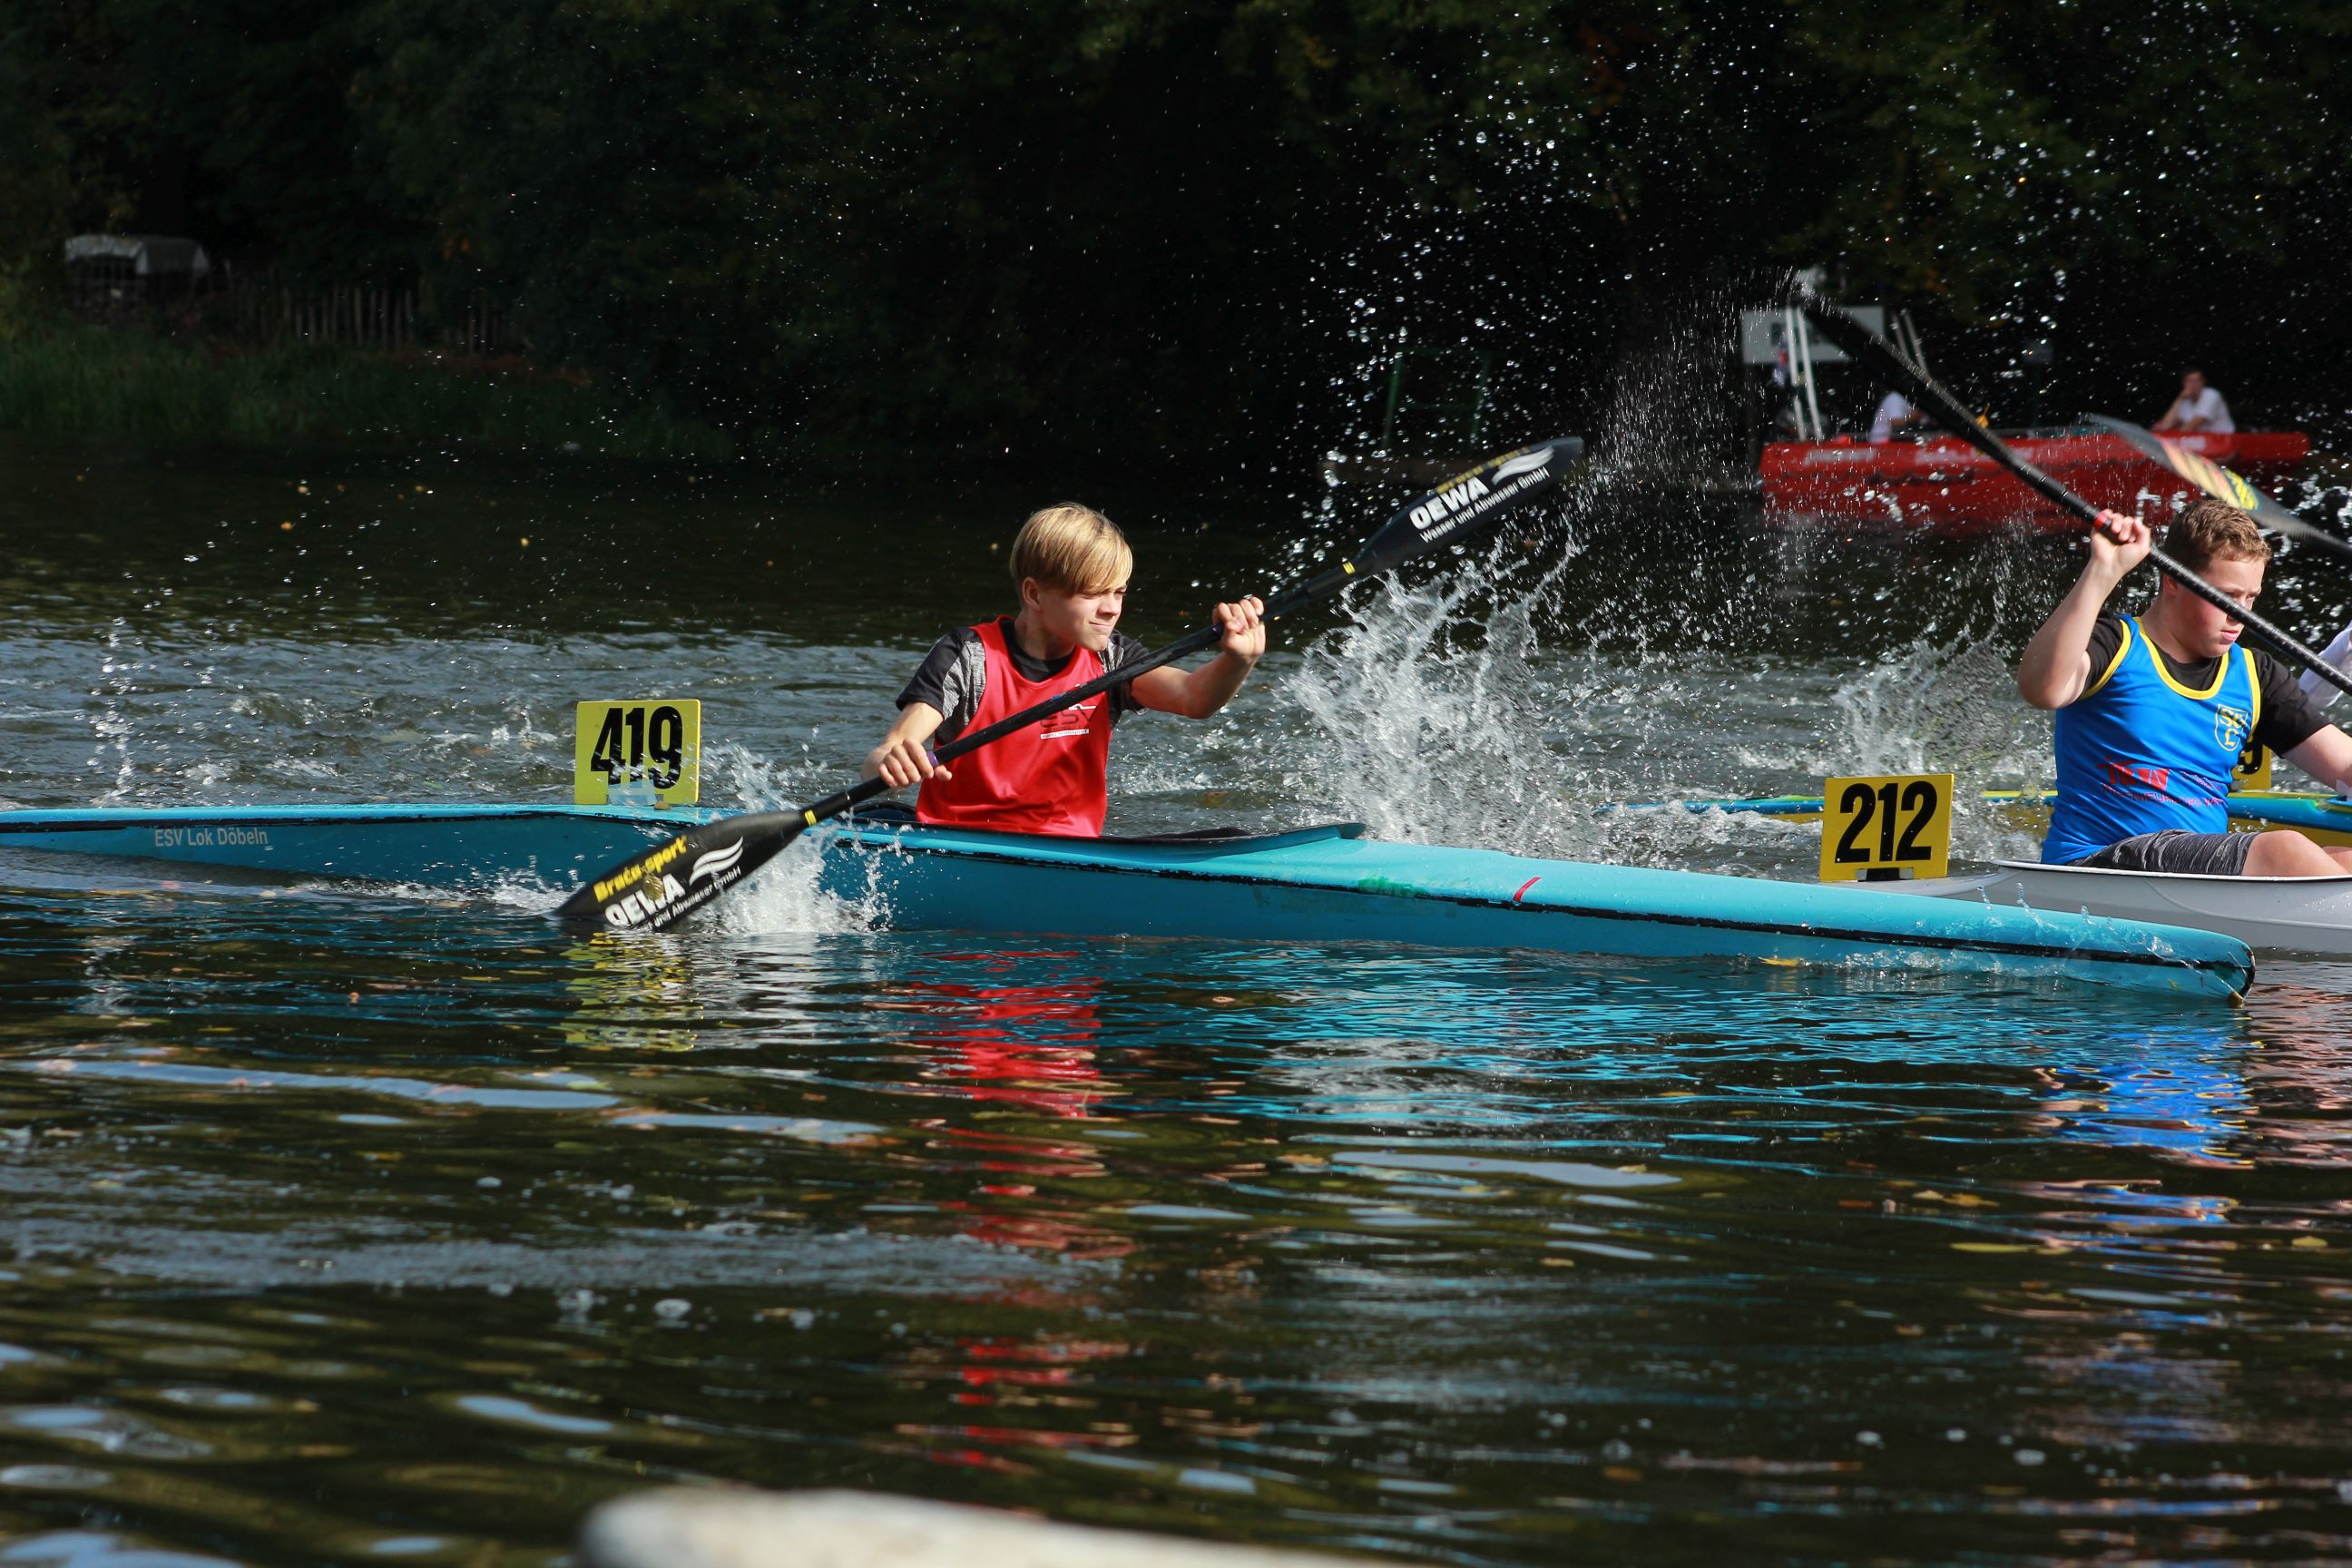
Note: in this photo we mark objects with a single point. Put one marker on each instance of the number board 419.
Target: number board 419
(647, 752)
(1886, 827)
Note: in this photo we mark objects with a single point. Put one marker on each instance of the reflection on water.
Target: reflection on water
(344, 1226)
(414, 1235)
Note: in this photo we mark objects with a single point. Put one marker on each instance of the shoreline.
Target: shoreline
(88, 384)
(81, 381)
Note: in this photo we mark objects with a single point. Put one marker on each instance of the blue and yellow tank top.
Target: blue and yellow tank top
(2140, 752)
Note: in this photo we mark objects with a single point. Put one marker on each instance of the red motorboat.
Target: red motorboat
(1943, 482)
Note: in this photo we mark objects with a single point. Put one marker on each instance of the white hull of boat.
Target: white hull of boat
(2269, 914)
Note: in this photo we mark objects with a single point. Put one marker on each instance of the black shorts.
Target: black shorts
(2174, 849)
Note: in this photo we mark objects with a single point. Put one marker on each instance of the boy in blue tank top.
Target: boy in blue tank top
(2152, 711)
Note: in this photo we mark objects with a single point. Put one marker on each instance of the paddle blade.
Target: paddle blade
(1469, 502)
(663, 885)
(2217, 482)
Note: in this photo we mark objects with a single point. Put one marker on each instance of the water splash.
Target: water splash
(1627, 650)
(1949, 706)
(1480, 707)
(791, 894)
(788, 893)
(1427, 726)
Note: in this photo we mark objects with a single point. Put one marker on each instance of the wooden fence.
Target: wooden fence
(359, 316)
(261, 308)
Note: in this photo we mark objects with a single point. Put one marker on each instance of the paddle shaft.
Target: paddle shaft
(1289, 599)
(2283, 643)
(1949, 411)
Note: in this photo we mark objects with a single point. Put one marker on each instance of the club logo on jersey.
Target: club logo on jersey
(1073, 721)
(2230, 726)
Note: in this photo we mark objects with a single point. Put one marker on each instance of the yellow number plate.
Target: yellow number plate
(644, 753)
(1886, 827)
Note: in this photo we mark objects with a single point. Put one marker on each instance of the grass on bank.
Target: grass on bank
(72, 379)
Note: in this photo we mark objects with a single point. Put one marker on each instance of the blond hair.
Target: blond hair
(2209, 531)
(1073, 548)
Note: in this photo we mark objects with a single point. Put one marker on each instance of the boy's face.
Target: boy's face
(2203, 631)
(1084, 620)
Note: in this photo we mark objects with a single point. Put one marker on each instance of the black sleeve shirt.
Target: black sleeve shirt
(955, 672)
(2289, 717)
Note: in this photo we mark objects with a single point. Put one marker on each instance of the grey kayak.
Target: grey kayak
(2269, 914)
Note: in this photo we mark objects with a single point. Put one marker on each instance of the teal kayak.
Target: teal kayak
(434, 845)
(1318, 884)
(2326, 819)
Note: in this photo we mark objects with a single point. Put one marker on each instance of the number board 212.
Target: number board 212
(1881, 827)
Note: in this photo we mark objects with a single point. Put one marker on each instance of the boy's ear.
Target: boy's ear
(1029, 592)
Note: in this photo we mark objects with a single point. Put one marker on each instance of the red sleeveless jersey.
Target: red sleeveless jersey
(1046, 778)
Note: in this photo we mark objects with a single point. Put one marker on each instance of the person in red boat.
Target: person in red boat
(2199, 408)
(1071, 564)
(2153, 711)
(1894, 413)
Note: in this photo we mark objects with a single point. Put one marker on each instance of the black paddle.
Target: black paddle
(663, 886)
(1866, 346)
(2217, 482)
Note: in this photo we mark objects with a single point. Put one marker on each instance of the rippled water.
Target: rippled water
(341, 1225)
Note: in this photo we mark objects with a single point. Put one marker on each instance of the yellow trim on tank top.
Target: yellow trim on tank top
(2114, 664)
(2219, 674)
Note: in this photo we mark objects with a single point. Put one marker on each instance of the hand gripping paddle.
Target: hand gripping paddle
(1868, 347)
(663, 886)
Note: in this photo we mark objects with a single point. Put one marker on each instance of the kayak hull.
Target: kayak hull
(1320, 884)
(2277, 914)
(2269, 914)
(1944, 482)
(1331, 884)
(438, 846)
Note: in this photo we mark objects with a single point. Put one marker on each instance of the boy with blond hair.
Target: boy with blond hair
(1070, 564)
(2154, 710)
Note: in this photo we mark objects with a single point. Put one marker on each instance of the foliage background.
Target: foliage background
(1153, 226)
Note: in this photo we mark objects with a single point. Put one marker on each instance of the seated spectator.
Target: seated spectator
(1894, 412)
(2197, 409)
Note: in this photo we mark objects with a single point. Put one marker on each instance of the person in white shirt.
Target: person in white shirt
(1894, 411)
(2338, 654)
(2199, 408)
